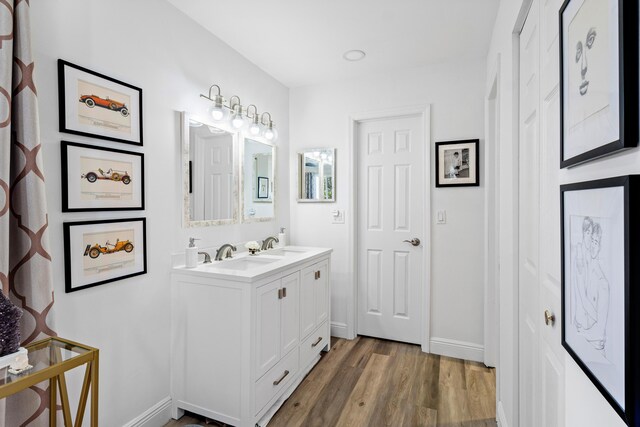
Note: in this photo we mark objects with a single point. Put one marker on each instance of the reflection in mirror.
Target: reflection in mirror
(317, 172)
(258, 184)
(210, 173)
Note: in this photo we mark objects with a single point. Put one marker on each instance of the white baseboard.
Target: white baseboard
(339, 330)
(158, 415)
(501, 416)
(457, 349)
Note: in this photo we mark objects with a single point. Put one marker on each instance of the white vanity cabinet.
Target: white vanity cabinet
(243, 340)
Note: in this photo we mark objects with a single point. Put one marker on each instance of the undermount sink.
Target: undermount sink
(243, 263)
(284, 252)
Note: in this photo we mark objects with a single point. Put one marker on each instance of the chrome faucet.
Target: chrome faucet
(268, 243)
(207, 257)
(225, 251)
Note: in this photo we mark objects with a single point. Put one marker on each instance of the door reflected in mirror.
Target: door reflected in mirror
(258, 184)
(317, 172)
(211, 173)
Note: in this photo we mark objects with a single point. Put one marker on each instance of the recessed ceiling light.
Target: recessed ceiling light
(354, 55)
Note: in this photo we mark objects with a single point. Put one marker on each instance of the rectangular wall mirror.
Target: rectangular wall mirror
(210, 173)
(258, 183)
(317, 175)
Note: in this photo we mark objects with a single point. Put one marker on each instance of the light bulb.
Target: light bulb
(237, 121)
(254, 129)
(270, 133)
(217, 114)
(217, 110)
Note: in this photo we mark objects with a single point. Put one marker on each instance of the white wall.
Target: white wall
(320, 118)
(582, 403)
(152, 45)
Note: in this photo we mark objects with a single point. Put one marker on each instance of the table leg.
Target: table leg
(94, 390)
(53, 401)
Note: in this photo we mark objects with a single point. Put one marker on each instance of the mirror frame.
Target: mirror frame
(300, 183)
(186, 208)
(248, 219)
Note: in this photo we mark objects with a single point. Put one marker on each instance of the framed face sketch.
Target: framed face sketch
(92, 104)
(598, 79)
(599, 262)
(458, 163)
(99, 252)
(101, 179)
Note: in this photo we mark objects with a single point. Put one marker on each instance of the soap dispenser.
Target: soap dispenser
(282, 238)
(191, 254)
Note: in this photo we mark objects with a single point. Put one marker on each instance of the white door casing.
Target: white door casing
(391, 173)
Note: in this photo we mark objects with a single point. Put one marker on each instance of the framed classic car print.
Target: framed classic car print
(598, 78)
(101, 179)
(98, 252)
(92, 104)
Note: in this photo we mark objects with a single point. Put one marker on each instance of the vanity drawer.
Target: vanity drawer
(311, 347)
(276, 380)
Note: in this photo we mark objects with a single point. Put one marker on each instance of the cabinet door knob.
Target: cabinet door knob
(284, 292)
(317, 342)
(280, 296)
(279, 380)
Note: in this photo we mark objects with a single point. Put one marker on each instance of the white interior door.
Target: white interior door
(214, 157)
(529, 195)
(541, 353)
(393, 180)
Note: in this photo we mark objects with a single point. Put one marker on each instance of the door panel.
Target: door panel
(392, 173)
(289, 313)
(322, 292)
(267, 327)
(307, 301)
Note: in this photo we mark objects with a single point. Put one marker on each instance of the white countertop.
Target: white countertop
(244, 267)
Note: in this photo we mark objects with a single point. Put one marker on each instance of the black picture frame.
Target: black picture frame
(114, 180)
(72, 232)
(627, 66)
(630, 293)
(446, 175)
(96, 127)
(263, 180)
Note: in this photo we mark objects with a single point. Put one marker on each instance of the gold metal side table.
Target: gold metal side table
(51, 358)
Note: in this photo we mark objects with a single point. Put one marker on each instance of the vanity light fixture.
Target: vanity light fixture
(269, 131)
(239, 118)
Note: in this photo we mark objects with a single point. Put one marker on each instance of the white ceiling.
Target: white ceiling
(301, 42)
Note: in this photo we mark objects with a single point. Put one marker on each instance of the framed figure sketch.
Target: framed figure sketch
(600, 232)
(598, 78)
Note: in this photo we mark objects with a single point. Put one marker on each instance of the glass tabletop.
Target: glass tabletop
(44, 354)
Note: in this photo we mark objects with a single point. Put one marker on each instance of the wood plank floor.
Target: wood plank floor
(372, 382)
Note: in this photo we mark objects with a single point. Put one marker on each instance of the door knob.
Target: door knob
(415, 241)
(549, 318)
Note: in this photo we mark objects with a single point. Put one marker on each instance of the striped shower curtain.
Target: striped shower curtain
(25, 262)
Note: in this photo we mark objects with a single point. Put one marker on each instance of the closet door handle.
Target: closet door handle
(284, 292)
(317, 342)
(280, 296)
(279, 380)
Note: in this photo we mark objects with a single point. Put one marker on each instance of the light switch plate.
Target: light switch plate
(337, 216)
(441, 217)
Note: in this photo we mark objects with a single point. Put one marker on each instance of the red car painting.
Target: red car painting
(110, 104)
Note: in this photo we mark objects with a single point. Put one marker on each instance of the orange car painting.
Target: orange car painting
(110, 104)
(95, 250)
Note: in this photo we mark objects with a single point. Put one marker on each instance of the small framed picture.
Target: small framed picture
(99, 252)
(599, 261)
(92, 104)
(101, 179)
(598, 79)
(458, 163)
(263, 187)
